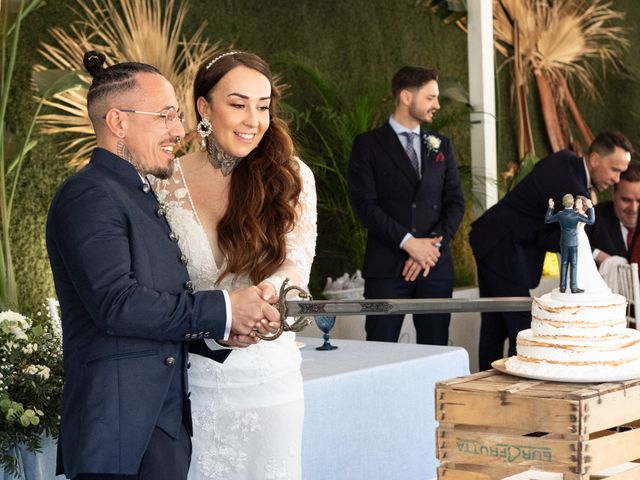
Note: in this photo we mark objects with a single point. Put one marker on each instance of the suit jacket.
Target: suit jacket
(511, 238)
(391, 201)
(605, 233)
(568, 219)
(127, 310)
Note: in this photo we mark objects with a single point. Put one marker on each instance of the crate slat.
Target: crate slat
(482, 448)
(611, 450)
(501, 409)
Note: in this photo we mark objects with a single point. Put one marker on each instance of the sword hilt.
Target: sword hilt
(300, 322)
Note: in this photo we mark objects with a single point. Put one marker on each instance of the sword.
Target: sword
(304, 308)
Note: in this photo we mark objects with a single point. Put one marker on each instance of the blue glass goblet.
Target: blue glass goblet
(325, 323)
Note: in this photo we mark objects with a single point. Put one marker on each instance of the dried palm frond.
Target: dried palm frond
(128, 30)
(556, 43)
(562, 37)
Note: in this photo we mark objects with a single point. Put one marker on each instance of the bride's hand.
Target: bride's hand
(268, 292)
(240, 341)
(270, 295)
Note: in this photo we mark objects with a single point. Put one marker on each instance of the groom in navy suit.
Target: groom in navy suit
(129, 311)
(569, 219)
(405, 189)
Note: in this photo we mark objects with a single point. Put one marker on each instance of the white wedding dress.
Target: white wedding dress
(589, 279)
(248, 411)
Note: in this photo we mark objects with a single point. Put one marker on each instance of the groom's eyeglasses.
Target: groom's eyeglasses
(170, 115)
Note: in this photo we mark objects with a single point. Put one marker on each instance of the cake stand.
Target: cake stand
(606, 376)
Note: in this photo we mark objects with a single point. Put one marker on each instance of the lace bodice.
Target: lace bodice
(175, 199)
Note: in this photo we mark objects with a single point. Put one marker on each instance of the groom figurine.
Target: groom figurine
(569, 219)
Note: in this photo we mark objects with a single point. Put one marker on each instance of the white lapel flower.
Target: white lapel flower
(432, 142)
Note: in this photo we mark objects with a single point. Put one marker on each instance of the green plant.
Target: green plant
(13, 149)
(324, 133)
(30, 382)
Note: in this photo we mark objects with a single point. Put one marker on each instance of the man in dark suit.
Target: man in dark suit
(405, 188)
(510, 239)
(128, 307)
(616, 220)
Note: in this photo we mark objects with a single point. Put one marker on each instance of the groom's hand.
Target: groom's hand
(551, 203)
(250, 311)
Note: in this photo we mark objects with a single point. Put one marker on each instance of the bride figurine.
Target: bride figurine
(588, 276)
(575, 250)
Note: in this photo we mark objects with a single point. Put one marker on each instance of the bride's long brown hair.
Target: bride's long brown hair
(265, 185)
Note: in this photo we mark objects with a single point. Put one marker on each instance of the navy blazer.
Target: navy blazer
(511, 238)
(127, 310)
(605, 234)
(391, 201)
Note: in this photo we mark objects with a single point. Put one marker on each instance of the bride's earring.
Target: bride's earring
(204, 130)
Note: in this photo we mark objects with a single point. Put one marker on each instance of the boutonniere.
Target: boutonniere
(162, 203)
(164, 207)
(432, 143)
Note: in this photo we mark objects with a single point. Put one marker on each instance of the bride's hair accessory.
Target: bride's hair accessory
(204, 130)
(220, 159)
(222, 55)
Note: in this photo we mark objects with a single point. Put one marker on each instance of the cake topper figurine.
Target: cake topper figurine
(568, 218)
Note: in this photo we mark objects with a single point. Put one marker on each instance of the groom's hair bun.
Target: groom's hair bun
(110, 82)
(93, 62)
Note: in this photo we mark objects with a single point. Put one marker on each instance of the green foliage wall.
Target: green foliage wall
(358, 44)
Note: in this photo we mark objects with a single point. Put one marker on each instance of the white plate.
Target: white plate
(605, 377)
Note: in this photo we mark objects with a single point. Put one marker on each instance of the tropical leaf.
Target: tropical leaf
(54, 81)
(324, 134)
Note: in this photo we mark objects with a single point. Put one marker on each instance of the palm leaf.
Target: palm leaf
(127, 30)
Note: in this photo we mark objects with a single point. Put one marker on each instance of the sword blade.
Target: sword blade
(314, 308)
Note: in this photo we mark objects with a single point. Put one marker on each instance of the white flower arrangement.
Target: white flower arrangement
(30, 381)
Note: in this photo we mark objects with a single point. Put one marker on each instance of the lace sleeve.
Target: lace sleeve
(171, 192)
(301, 241)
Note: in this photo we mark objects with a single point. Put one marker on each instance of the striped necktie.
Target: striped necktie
(411, 152)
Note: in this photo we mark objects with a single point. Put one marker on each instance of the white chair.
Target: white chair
(629, 286)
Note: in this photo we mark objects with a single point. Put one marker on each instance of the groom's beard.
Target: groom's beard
(163, 173)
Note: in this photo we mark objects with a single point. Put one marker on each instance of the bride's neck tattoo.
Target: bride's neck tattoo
(220, 159)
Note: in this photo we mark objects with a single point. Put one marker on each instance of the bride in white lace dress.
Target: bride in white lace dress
(244, 211)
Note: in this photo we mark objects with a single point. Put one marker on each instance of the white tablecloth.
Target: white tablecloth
(369, 409)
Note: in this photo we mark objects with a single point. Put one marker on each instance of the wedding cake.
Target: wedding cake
(578, 336)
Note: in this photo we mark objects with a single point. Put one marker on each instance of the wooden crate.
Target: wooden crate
(494, 425)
